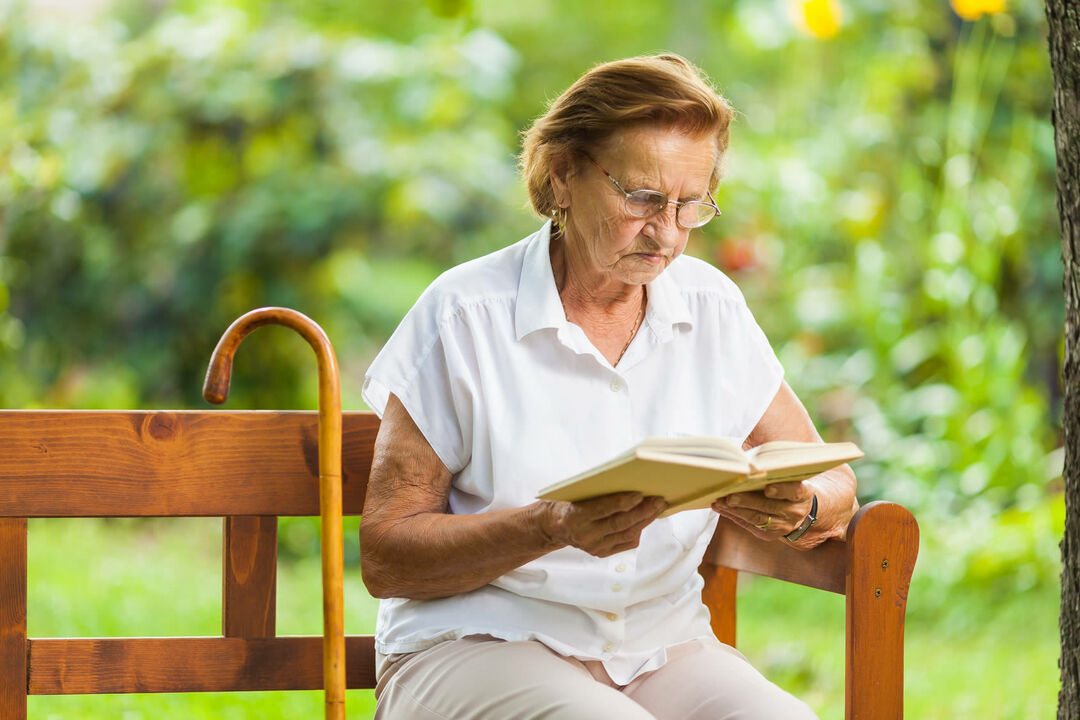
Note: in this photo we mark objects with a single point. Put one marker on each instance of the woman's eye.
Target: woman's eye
(646, 202)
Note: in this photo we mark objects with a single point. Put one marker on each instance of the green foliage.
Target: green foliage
(172, 173)
(902, 254)
(888, 210)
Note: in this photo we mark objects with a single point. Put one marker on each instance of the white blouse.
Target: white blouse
(513, 397)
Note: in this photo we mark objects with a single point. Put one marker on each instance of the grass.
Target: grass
(979, 655)
(976, 655)
(111, 578)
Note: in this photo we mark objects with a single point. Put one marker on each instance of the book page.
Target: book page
(712, 447)
(804, 459)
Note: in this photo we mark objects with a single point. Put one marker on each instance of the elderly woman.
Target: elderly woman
(545, 358)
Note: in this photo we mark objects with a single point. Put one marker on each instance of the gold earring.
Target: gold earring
(560, 216)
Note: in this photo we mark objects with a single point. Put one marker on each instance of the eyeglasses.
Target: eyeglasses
(689, 214)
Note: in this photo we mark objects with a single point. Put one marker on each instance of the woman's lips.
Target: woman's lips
(655, 258)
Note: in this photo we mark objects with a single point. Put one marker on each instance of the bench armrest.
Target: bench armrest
(872, 568)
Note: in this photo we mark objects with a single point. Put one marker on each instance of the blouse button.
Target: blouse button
(611, 616)
(616, 386)
(621, 567)
(616, 587)
(608, 647)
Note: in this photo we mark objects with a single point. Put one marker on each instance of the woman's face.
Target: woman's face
(602, 240)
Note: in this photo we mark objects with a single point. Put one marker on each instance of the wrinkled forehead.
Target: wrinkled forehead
(661, 158)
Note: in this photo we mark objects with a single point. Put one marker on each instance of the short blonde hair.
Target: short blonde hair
(665, 90)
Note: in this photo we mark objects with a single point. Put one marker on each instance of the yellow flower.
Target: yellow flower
(820, 18)
(975, 9)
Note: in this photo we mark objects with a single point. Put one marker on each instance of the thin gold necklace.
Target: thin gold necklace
(637, 323)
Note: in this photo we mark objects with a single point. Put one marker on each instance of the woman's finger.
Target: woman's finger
(757, 502)
(608, 505)
(749, 525)
(591, 529)
(605, 545)
(642, 514)
(628, 525)
(797, 490)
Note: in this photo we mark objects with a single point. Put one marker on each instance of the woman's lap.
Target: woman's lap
(480, 678)
(707, 680)
(483, 678)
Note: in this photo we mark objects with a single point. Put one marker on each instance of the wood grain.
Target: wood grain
(79, 666)
(13, 618)
(883, 543)
(183, 463)
(824, 567)
(249, 577)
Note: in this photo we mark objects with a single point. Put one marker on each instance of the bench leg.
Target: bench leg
(13, 669)
(719, 596)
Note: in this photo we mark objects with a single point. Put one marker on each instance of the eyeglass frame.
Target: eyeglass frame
(667, 200)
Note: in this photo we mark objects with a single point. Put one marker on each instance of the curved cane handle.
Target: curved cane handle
(216, 390)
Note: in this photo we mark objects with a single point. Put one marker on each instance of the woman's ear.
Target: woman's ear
(559, 173)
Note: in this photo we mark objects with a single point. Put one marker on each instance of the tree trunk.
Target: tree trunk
(1064, 21)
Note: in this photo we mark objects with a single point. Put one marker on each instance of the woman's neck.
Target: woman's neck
(589, 293)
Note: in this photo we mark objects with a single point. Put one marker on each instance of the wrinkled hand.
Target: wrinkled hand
(772, 512)
(601, 526)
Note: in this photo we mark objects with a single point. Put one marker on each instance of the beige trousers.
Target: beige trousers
(482, 678)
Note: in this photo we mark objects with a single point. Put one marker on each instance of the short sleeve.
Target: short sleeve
(423, 366)
(757, 363)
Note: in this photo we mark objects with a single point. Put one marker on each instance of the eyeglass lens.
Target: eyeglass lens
(645, 203)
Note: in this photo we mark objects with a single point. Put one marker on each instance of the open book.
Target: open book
(691, 472)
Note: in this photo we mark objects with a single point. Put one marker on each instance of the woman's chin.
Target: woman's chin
(642, 275)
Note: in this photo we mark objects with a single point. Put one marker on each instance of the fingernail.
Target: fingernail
(770, 491)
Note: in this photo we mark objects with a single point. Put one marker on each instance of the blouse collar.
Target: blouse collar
(539, 306)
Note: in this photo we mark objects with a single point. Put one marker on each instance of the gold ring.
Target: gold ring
(765, 525)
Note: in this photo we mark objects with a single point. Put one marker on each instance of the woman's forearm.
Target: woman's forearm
(410, 546)
(431, 554)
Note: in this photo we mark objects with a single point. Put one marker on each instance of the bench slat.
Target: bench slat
(67, 666)
(249, 577)
(825, 567)
(173, 463)
(718, 594)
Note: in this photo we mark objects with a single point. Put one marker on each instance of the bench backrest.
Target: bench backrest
(247, 467)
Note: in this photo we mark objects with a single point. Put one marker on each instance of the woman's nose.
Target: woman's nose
(663, 227)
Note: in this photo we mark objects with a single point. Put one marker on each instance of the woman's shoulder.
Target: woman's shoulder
(491, 278)
(694, 276)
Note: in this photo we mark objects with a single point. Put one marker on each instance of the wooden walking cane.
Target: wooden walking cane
(216, 389)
